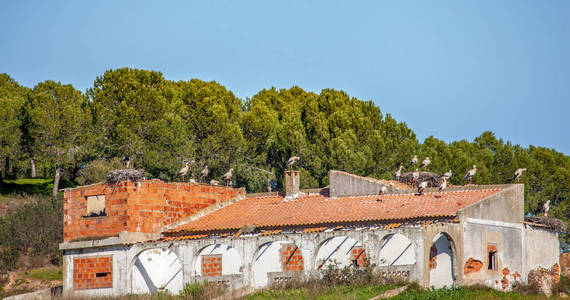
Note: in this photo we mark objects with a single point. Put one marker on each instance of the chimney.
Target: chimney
(292, 182)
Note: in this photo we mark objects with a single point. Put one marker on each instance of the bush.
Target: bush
(36, 229)
(96, 171)
(205, 290)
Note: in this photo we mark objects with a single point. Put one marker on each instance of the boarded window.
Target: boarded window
(93, 272)
(212, 265)
(95, 206)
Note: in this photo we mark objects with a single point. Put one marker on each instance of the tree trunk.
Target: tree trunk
(56, 181)
(33, 162)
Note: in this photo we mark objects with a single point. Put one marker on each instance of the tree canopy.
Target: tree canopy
(161, 125)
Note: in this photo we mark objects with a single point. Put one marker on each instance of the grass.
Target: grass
(26, 186)
(325, 293)
(46, 274)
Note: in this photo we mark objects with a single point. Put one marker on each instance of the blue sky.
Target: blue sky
(451, 69)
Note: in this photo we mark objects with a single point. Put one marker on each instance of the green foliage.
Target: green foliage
(35, 229)
(47, 274)
(96, 171)
(205, 290)
(26, 186)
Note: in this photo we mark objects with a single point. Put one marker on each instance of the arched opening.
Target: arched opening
(396, 250)
(217, 260)
(341, 251)
(156, 270)
(276, 261)
(441, 262)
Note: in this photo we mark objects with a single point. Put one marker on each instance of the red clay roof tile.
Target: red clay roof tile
(273, 211)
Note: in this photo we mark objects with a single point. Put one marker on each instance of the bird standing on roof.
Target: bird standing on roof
(518, 173)
(204, 174)
(422, 187)
(126, 162)
(414, 160)
(398, 173)
(183, 171)
(415, 176)
(383, 190)
(425, 163)
(443, 185)
(446, 175)
(291, 161)
(546, 208)
(214, 182)
(470, 174)
(228, 176)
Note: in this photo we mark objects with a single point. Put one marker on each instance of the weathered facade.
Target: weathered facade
(191, 232)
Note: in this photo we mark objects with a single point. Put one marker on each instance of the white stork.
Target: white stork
(443, 185)
(414, 160)
(204, 173)
(398, 173)
(383, 190)
(269, 185)
(425, 163)
(214, 182)
(415, 176)
(292, 160)
(446, 175)
(183, 171)
(228, 176)
(518, 173)
(546, 208)
(470, 174)
(422, 187)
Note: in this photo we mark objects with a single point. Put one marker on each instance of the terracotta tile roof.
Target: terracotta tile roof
(272, 211)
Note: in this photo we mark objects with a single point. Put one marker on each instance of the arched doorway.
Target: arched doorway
(396, 250)
(341, 251)
(280, 259)
(156, 270)
(441, 262)
(217, 260)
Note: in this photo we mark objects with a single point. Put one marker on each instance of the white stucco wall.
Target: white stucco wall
(231, 261)
(397, 250)
(442, 274)
(542, 248)
(267, 260)
(336, 251)
(157, 270)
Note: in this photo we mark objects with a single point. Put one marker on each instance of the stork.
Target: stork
(414, 160)
(292, 160)
(183, 171)
(470, 174)
(269, 185)
(204, 173)
(228, 176)
(398, 173)
(415, 176)
(214, 182)
(422, 187)
(126, 162)
(425, 163)
(443, 185)
(446, 175)
(383, 190)
(518, 173)
(546, 208)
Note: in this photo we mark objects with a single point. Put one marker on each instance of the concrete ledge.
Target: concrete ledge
(124, 237)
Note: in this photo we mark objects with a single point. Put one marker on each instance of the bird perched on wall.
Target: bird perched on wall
(192, 180)
(384, 190)
(269, 185)
(443, 185)
(414, 160)
(183, 171)
(126, 162)
(425, 163)
(422, 187)
(546, 208)
(470, 174)
(214, 182)
(415, 176)
(204, 174)
(398, 173)
(518, 173)
(228, 176)
(291, 161)
(446, 175)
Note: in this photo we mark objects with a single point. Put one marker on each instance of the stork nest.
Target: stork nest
(550, 222)
(432, 179)
(116, 176)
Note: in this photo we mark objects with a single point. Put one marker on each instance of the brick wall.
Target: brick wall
(291, 258)
(212, 265)
(358, 255)
(144, 207)
(93, 272)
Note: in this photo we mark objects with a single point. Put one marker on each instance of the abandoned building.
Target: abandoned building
(148, 236)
